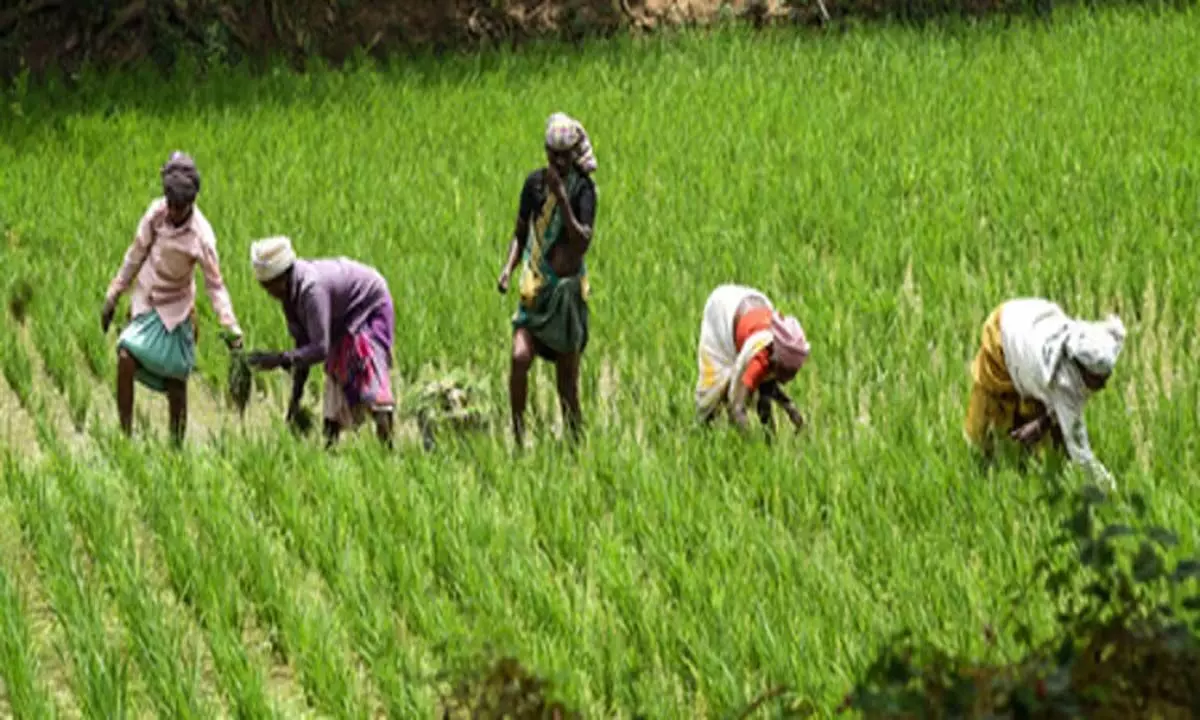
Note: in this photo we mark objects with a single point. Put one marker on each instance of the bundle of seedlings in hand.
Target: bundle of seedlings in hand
(240, 376)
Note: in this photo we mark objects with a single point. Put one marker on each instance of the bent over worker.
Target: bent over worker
(554, 228)
(1035, 371)
(746, 348)
(339, 312)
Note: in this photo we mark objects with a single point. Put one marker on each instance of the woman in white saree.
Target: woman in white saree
(746, 347)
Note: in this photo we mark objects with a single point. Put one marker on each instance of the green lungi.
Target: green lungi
(161, 355)
(558, 319)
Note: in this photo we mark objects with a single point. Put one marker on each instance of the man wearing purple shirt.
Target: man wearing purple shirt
(340, 314)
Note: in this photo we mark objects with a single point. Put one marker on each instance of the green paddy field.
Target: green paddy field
(888, 186)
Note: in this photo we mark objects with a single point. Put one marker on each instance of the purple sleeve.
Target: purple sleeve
(314, 313)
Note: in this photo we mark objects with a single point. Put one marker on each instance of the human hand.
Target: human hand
(233, 340)
(554, 181)
(106, 314)
(1029, 433)
(502, 283)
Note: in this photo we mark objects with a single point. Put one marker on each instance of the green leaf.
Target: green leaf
(1147, 565)
(1081, 523)
(1057, 580)
(1023, 635)
(1139, 504)
(1192, 603)
(1092, 494)
(1164, 538)
(1099, 591)
(1087, 553)
(1185, 569)
(1115, 531)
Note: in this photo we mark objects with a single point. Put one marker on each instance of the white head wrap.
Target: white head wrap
(271, 257)
(564, 132)
(1096, 345)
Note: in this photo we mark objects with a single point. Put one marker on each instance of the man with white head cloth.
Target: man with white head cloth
(1035, 371)
(554, 228)
(340, 314)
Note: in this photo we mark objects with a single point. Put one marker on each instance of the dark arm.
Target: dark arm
(314, 309)
(772, 391)
(516, 247)
(764, 410)
(299, 378)
(1035, 429)
(579, 224)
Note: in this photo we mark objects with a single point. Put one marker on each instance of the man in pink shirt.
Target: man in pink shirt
(158, 347)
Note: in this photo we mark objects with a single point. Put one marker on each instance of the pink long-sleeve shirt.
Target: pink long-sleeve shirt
(165, 270)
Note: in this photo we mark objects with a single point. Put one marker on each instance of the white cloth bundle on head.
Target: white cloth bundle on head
(271, 257)
(718, 361)
(1096, 345)
(564, 132)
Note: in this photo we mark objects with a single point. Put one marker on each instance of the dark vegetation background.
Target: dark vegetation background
(68, 35)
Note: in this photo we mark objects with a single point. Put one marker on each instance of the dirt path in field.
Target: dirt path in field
(16, 425)
(54, 403)
(45, 632)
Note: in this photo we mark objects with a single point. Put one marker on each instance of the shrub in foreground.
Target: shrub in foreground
(1123, 645)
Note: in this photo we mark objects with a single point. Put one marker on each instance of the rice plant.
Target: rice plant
(890, 187)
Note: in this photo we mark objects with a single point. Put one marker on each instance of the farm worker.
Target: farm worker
(157, 348)
(747, 347)
(1035, 370)
(554, 229)
(339, 312)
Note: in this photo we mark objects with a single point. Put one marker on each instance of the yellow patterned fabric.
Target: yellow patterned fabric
(995, 404)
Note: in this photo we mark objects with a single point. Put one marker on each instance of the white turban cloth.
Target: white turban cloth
(1096, 345)
(564, 132)
(271, 257)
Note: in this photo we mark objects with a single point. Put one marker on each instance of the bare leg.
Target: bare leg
(518, 381)
(177, 406)
(332, 430)
(383, 428)
(126, 369)
(567, 376)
